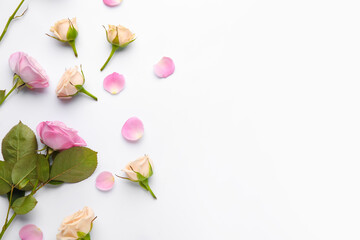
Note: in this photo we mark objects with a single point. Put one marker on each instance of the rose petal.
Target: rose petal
(114, 83)
(105, 181)
(133, 129)
(112, 3)
(30, 232)
(164, 68)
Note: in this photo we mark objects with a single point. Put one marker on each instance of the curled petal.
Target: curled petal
(114, 83)
(164, 68)
(112, 3)
(105, 181)
(30, 232)
(133, 129)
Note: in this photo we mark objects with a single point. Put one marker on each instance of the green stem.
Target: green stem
(10, 19)
(146, 184)
(14, 87)
(113, 50)
(7, 225)
(72, 44)
(83, 90)
(10, 200)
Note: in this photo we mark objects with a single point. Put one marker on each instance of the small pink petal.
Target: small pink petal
(105, 181)
(133, 129)
(30, 232)
(112, 3)
(164, 68)
(114, 83)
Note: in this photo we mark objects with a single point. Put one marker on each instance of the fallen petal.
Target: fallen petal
(30, 232)
(114, 83)
(164, 68)
(105, 181)
(112, 3)
(133, 129)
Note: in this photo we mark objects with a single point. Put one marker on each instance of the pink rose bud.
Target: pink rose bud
(27, 71)
(58, 136)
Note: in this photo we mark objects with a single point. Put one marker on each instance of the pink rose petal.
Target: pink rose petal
(112, 3)
(133, 129)
(164, 68)
(30, 232)
(114, 83)
(105, 181)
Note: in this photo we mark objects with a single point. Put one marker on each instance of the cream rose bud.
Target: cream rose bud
(78, 224)
(142, 166)
(65, 29)
(71, 83)
(119, 35)
(139, 171)
(66, 88)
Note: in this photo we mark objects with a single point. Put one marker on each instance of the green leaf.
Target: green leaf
(5, 177)
(24, 172)
(42, 168)
(24, 205)
(19, 141)
(81, 234)
(74, 165)
(16, 194)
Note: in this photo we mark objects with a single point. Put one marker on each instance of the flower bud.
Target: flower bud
(71, 83)
(119, 35)
(77, 225)
(140, 171)
(65, 30)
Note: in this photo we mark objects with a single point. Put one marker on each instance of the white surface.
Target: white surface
(255, 136)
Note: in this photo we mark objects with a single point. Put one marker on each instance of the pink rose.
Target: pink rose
(58, 136)
(29, 70)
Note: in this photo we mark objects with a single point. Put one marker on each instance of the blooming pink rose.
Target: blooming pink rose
(29, 70)
(58, 136)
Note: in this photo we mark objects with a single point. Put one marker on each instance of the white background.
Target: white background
(255, 136)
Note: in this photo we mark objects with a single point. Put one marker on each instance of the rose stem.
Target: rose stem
(10, 19)
(113, 50)
(89, 94)
(146, 184)
(72, 44)
(14, 87)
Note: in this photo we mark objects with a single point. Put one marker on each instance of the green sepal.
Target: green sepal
(72, 32)
(83, 236)
(125, 44)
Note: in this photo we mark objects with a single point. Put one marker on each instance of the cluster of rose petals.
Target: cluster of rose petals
(112, 3)
(142, 165)
(133, 129)
(105, 181)
(66, 87)
(30, 232)
(164, 68)
(61, 28)
(29, 70)
(58, 136)
(114, 83)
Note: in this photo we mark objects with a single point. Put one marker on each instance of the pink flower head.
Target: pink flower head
(112, 3)
(58, 136)
(114, 83)
(30, 232)
(29, 70)
(164, 68)
(133, 129)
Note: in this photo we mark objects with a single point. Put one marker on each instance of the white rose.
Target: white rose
(142, 165)
(66, 88)
(119, 35)
(65, 29)
(80, 221)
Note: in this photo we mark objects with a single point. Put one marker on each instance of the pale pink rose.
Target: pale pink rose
(66, 88)
(58, 136)
(78, 222)
(142, 165)
(29, 70)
